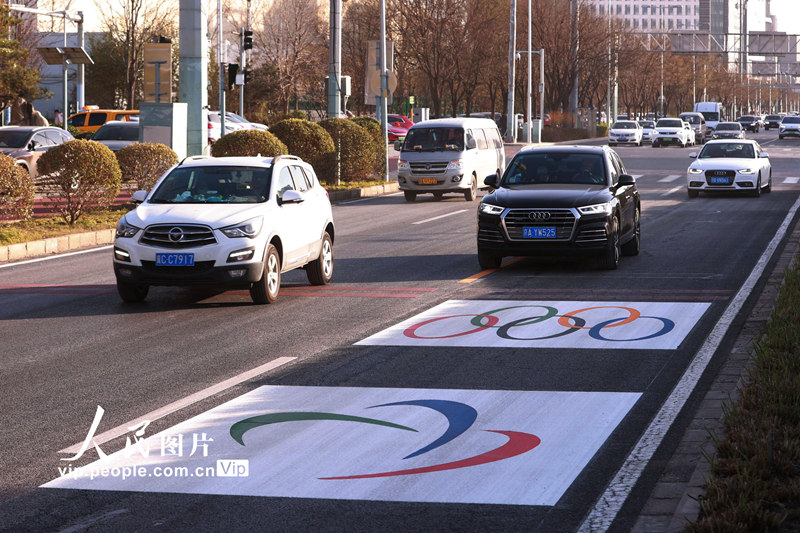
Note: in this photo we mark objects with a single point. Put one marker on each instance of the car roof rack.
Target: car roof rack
(285, 156)
(193, 158)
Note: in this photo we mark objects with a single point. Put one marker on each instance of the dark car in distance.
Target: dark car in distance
(749, 122)
(772, 121)
(557, 201)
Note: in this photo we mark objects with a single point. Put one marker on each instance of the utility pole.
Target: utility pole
(335, 60)
(573, 97)
(221, 71)
(511, 120)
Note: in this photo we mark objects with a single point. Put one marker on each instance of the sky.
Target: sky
(788, 15)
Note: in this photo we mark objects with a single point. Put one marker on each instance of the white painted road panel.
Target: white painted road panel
(669, 179)
(792, 181)
(450, 446)
(546, 324)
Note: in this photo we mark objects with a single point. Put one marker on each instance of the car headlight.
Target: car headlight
(126, 230)
(455, 164)
(746, 171)
(695, 170)
(249, 229)
(490, 209)
(402, 164)
(596, 209)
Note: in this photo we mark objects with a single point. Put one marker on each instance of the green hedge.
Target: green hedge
(248, 143)
(356, 151)
(86, 175)
(373, 127)
(16, 189)
(142, 164)
(308, 141)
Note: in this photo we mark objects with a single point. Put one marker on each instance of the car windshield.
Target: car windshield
(747, 119)
(737, 150)
(624, 126)
(555, 167)
(791, 120)
(13, 138)
(117, 133)
(434, 139)
(729, 126)
(773, 117)
(647, 124)
(691, 119)
(214, 184)
(669, 123)
(710, 115)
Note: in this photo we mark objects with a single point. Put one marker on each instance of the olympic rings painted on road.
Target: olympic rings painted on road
(568, 320)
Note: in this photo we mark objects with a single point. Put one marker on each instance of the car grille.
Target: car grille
(562, 219)
(490, 236)
(166, 236)
(591, 236)
(431, 167)
(200, 267)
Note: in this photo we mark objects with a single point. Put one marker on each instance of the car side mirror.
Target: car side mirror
(31, 146)
(693, 155)
(471, 144)
(625, 180)
(763, 155)
(139, 197)
(292, 197)
(491, 181)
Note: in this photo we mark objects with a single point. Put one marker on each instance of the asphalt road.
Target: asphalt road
(70, 345)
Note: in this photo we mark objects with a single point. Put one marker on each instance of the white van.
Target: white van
(449, 155)
(712, 112)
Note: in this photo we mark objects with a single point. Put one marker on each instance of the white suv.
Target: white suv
(673, 131)
(232, 222)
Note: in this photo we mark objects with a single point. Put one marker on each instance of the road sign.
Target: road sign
(157, 56)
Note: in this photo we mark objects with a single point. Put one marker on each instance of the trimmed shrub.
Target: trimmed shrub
(373, 127)
(307, 140)
(86, 175)
(563, 134)
(356, 152)
(248, 143)
(16, 189)
(142, 164)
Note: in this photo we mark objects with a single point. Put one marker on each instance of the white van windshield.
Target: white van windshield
(434, 140)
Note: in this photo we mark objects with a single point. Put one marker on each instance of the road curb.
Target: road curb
(675, 499)
(364, 192)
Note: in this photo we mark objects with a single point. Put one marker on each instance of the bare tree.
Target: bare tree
(292, 40)
(130, 24)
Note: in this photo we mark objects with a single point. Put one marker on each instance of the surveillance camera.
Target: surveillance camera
(518, 56)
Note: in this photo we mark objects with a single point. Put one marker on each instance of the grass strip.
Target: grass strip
(54, 226)
(755, 479)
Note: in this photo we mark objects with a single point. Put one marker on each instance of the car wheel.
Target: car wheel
(438, 196)
(320, 270)
(472, 192)
(410, 196)
(487, 261)
(633, 246)
(692, 193)
(757, 191)
(132, 293)
(610, 258)
(265, 290)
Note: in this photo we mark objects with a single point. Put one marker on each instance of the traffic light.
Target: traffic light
(233, 70)
(248, 75)
(247, 42)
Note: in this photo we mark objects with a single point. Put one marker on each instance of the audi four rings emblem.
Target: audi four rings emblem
(176, 234)
(539, 215)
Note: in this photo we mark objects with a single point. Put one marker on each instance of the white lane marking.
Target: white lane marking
(93, 520)
(637, 176)
(440, 216)
(672, 190)
(184, 402)
(669, 179)
(791, 181)
(606, 508)
(57, 256)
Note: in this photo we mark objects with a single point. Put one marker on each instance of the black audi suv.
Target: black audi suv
(560, 200)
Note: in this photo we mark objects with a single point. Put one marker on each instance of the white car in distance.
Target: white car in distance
(226, 222)
(790, 127)
(625, 132)
(673, 131)
(648, 129)
(730, 165)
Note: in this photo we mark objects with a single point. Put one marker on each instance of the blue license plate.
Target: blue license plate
(175, 260)
(539, 233)
(720, 180)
